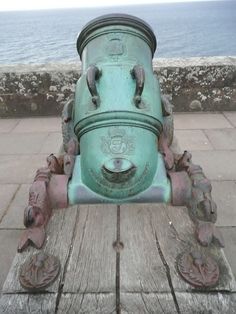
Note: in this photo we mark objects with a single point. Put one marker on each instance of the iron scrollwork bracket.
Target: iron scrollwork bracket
(202, 208)
(48, 191)
(191, 188)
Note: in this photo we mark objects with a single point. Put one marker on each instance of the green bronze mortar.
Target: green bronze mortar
(117, 112)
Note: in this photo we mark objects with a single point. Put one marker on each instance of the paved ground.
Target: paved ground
(24, 144)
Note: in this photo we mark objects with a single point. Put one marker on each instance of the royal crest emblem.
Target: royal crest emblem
(117, 142)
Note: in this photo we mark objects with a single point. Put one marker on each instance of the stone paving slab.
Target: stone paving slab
(38, 125)
(22, 143)
(217, 164)
(222, 139)
(229, 234)
(7, 125)
(231, 116)
(201, 121)
(13, 219)
(7, 192)
(52, 143)
(224, 194)
(192, 140)
(20, 168)
(8, 245)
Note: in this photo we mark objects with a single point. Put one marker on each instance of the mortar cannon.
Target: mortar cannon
(117, 136)
(117, 115)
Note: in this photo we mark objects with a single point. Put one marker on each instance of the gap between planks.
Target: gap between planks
(61, 284)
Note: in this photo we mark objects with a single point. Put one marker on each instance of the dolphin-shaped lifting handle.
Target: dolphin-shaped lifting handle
(139, 75)
(93, 74)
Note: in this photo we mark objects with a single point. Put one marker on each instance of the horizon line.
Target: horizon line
(162, 2)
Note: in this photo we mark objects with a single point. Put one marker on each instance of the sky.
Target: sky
(13, 5)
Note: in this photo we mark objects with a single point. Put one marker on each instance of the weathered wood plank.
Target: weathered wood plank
(87, 304)
(189, 303)
(59, 238)
(141, 268)
(28, 304)
(153, 231)
(207, 303)
(155, 303)
(92, 266)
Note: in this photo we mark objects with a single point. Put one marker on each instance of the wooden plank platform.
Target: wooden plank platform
(120, 259)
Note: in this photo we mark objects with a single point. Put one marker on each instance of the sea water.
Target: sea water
(182, 30)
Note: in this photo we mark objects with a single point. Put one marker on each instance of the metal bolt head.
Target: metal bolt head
(200, 271)
(39, 271)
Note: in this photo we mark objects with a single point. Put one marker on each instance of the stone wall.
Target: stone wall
(199, 84)
(194, 84)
